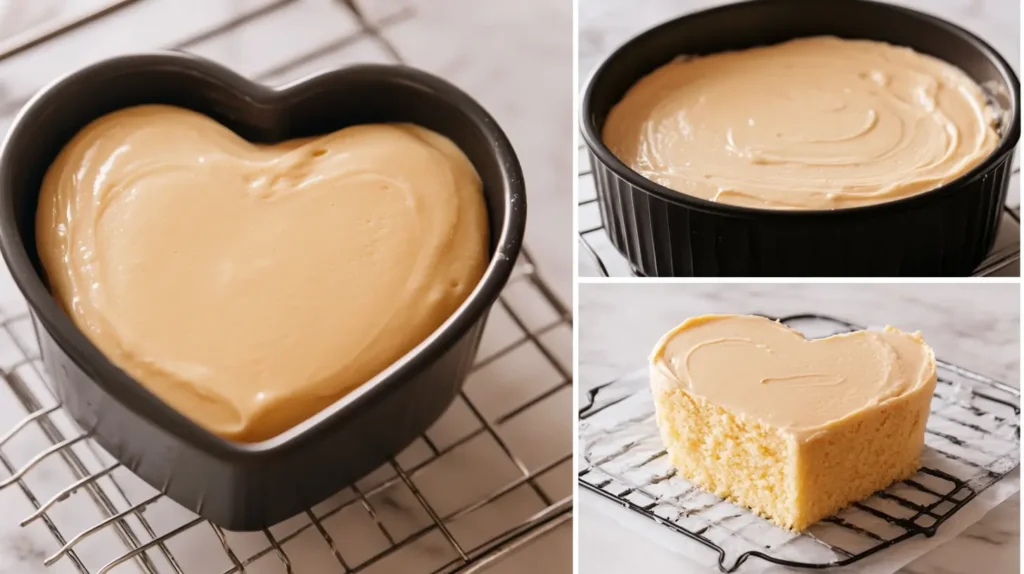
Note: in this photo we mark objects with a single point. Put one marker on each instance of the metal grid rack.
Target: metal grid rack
(972, 441)
(594, 241)
(104, 518)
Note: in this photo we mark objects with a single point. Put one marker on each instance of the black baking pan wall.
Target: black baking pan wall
(251, 486)
(944, 232)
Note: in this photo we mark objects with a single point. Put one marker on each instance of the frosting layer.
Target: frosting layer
(764, 370)
(813, 123)
(250, 286)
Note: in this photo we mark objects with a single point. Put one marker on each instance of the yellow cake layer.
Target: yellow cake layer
(794, 470)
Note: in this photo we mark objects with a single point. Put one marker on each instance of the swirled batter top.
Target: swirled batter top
(250, 286)
(813, 123)
(762, 369)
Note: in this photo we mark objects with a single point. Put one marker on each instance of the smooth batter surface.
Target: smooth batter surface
(814, 123)
(762, 369)
(250, 286)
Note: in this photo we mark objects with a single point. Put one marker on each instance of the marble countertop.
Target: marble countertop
(516, 59)
(976, 326)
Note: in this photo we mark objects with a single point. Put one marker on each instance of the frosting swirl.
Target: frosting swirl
(250, 286)
(767, 371)
(813, 123)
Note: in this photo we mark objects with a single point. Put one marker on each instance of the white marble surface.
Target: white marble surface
(606, 24)
(523, 80)
(974, 325)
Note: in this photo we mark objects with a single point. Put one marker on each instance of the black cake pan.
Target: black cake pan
(944, 232)
(235, 485)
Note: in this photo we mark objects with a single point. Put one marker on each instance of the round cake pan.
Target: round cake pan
(944, 232)
(252, 486)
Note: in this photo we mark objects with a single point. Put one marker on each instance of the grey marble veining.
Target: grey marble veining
(976, 326)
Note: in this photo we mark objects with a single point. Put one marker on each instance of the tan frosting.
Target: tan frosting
(814, 123)
(250, 286)
(765, 370)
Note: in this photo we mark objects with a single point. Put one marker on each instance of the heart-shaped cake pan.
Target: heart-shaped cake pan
(252, 486)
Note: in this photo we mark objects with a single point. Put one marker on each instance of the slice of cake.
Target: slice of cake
(793, 429)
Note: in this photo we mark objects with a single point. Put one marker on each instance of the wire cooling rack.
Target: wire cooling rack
(607, 261)
(972, 441)
(493, 475)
